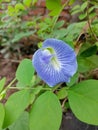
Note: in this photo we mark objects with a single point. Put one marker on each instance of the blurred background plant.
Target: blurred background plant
(25, 24)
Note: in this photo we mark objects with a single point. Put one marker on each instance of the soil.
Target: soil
(70, 122)
(7, 69)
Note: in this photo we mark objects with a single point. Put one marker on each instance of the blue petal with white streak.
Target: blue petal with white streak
(55, 62)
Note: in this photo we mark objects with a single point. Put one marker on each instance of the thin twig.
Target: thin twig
(63, 103)
(89, 22)
(11, 60)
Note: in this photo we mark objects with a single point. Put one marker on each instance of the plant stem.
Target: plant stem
(6, 88)
(89, 22)
(28, 88)
(55, 88)
(10, 84)
(56, 17)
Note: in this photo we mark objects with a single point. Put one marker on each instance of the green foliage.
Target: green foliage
(83, 100)
(27, 2)
(52, 113)
(73, 80)
(15, 106)
(25, 72)
(84, 10)
(88, 63)
(48, 29)
(2, 115)
(22, 123)
(54, 6)
(12, 26)
(2, 83)
(36, 103)
(89, 51)
(62, 93)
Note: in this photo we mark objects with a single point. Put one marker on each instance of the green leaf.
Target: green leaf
(89, 51)
(55, 6)
(15, 106)
(22, 123)
(59, 33)
(46, 112)
(91, 9)
(82, 16)
(2, 114)
(25, 72)
(71, 2)
(34, 1)
(83, 100)
(59, 24)
(84, 6)
(73, 80)
(88, 63)
(11, 10)
(73, 30)
(62, 93)
(37, 90)
(18, 7)
(27, 2)
(76, 7)
(2, 83)
(75, 12)
(20, 35)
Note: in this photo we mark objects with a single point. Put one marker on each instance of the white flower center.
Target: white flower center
(49, 57)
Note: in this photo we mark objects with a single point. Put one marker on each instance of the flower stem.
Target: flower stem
(56, 87)
(2, 94)
(28, 88)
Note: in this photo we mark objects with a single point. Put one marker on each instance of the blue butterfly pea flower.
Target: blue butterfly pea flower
(55, 62)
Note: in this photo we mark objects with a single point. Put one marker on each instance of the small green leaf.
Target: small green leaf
(25, 72)
(27, 2)
(60, 33)
(34, 1)
(59, 24)
(71, 2)
(62, 93)
(84, 6)
(21, 35)
(11, 10)
(55, 6)
(89, 51)
(18, 7)
(36, 90)
(2, 83)
(83, 100)
(88, 63)
(73, 80)
(91, 9)
(82, 16)
(96, 44)
(77, 7)
(75, 12)
(15, 106)
(22, 123)
(2, 114)
(46, 112)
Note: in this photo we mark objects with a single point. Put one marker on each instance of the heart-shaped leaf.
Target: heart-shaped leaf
(46, 113)
(83, 100)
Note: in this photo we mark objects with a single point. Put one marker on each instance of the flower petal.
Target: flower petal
(65, 55)
(47, 72)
